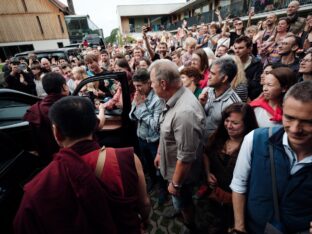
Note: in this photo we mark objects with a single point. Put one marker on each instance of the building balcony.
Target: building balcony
(240, 9)
(235, 8)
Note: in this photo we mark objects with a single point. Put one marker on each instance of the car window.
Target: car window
(47, 55)
(107, 91)
(73, 52)
(12, 112)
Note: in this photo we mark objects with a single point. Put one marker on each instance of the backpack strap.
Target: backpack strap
(100, 162)
(274, 185)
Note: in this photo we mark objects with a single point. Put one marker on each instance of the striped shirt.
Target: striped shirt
(242, 91)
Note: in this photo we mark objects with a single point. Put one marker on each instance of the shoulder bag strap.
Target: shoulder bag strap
(100, 162)
(274, 186)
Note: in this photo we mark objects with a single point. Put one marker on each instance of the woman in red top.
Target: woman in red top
(200, 61)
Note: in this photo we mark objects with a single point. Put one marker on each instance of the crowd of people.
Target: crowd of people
(223, 113)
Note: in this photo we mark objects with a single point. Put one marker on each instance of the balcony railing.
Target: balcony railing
(235, 9)
(195, 20)
(241, 8)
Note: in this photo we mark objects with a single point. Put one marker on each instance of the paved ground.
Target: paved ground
(162, 225)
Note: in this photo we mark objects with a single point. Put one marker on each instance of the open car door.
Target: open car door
(119, 130)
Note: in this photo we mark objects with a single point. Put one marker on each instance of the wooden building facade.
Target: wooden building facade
(32, 25)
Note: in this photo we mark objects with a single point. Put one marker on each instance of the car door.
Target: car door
(119, 130)
(13, 106)
(17, 164)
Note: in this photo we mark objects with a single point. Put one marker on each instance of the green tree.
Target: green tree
(112, 37)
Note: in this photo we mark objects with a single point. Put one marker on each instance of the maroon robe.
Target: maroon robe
(37, 116)
(64, 198)
(120, 179)
(60, 199)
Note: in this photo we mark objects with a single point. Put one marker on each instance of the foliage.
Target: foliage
(118, 38)
(112, 37)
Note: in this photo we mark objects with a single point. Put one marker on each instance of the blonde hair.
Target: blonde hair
(240, 77)
(252, 28)
(81, 71)
(190, 41)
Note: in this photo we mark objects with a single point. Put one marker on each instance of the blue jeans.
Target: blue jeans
(184, 200)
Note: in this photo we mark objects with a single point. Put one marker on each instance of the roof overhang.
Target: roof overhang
(61, 6)
(148, 9)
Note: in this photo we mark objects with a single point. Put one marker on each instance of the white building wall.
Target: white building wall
(40, 45)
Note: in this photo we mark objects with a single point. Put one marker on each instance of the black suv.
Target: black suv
(56, 53)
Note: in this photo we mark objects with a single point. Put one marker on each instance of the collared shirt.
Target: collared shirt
(243, 164)
(215, 106)
(181, 131)
(71, 85)
(147, 115)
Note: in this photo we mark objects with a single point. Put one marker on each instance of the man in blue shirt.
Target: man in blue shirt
(146, 108)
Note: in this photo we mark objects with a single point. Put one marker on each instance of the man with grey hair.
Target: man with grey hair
(181, 130)
(289, 149)
(296, 23)
(219, 94)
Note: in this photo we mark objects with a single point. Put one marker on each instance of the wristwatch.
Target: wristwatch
(176, 186)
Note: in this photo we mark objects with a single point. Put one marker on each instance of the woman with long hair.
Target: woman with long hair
(239, 83)
(122, 65)
(268, 107)
(200, 61)
(37, 75)
(220, 158)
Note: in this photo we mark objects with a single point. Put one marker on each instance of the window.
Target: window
(40, 26)
(24, 5)
(60, 21)
(205, 8)
(60, 44)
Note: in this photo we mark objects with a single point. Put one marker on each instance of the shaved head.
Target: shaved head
(292, 8)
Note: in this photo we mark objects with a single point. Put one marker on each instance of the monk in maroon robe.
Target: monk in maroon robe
(67, 197)
(64, 198)
(37, 115)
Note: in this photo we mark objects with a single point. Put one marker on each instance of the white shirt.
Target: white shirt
(39, 88)
(263, 118)
(241, 173)
(71, 85)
